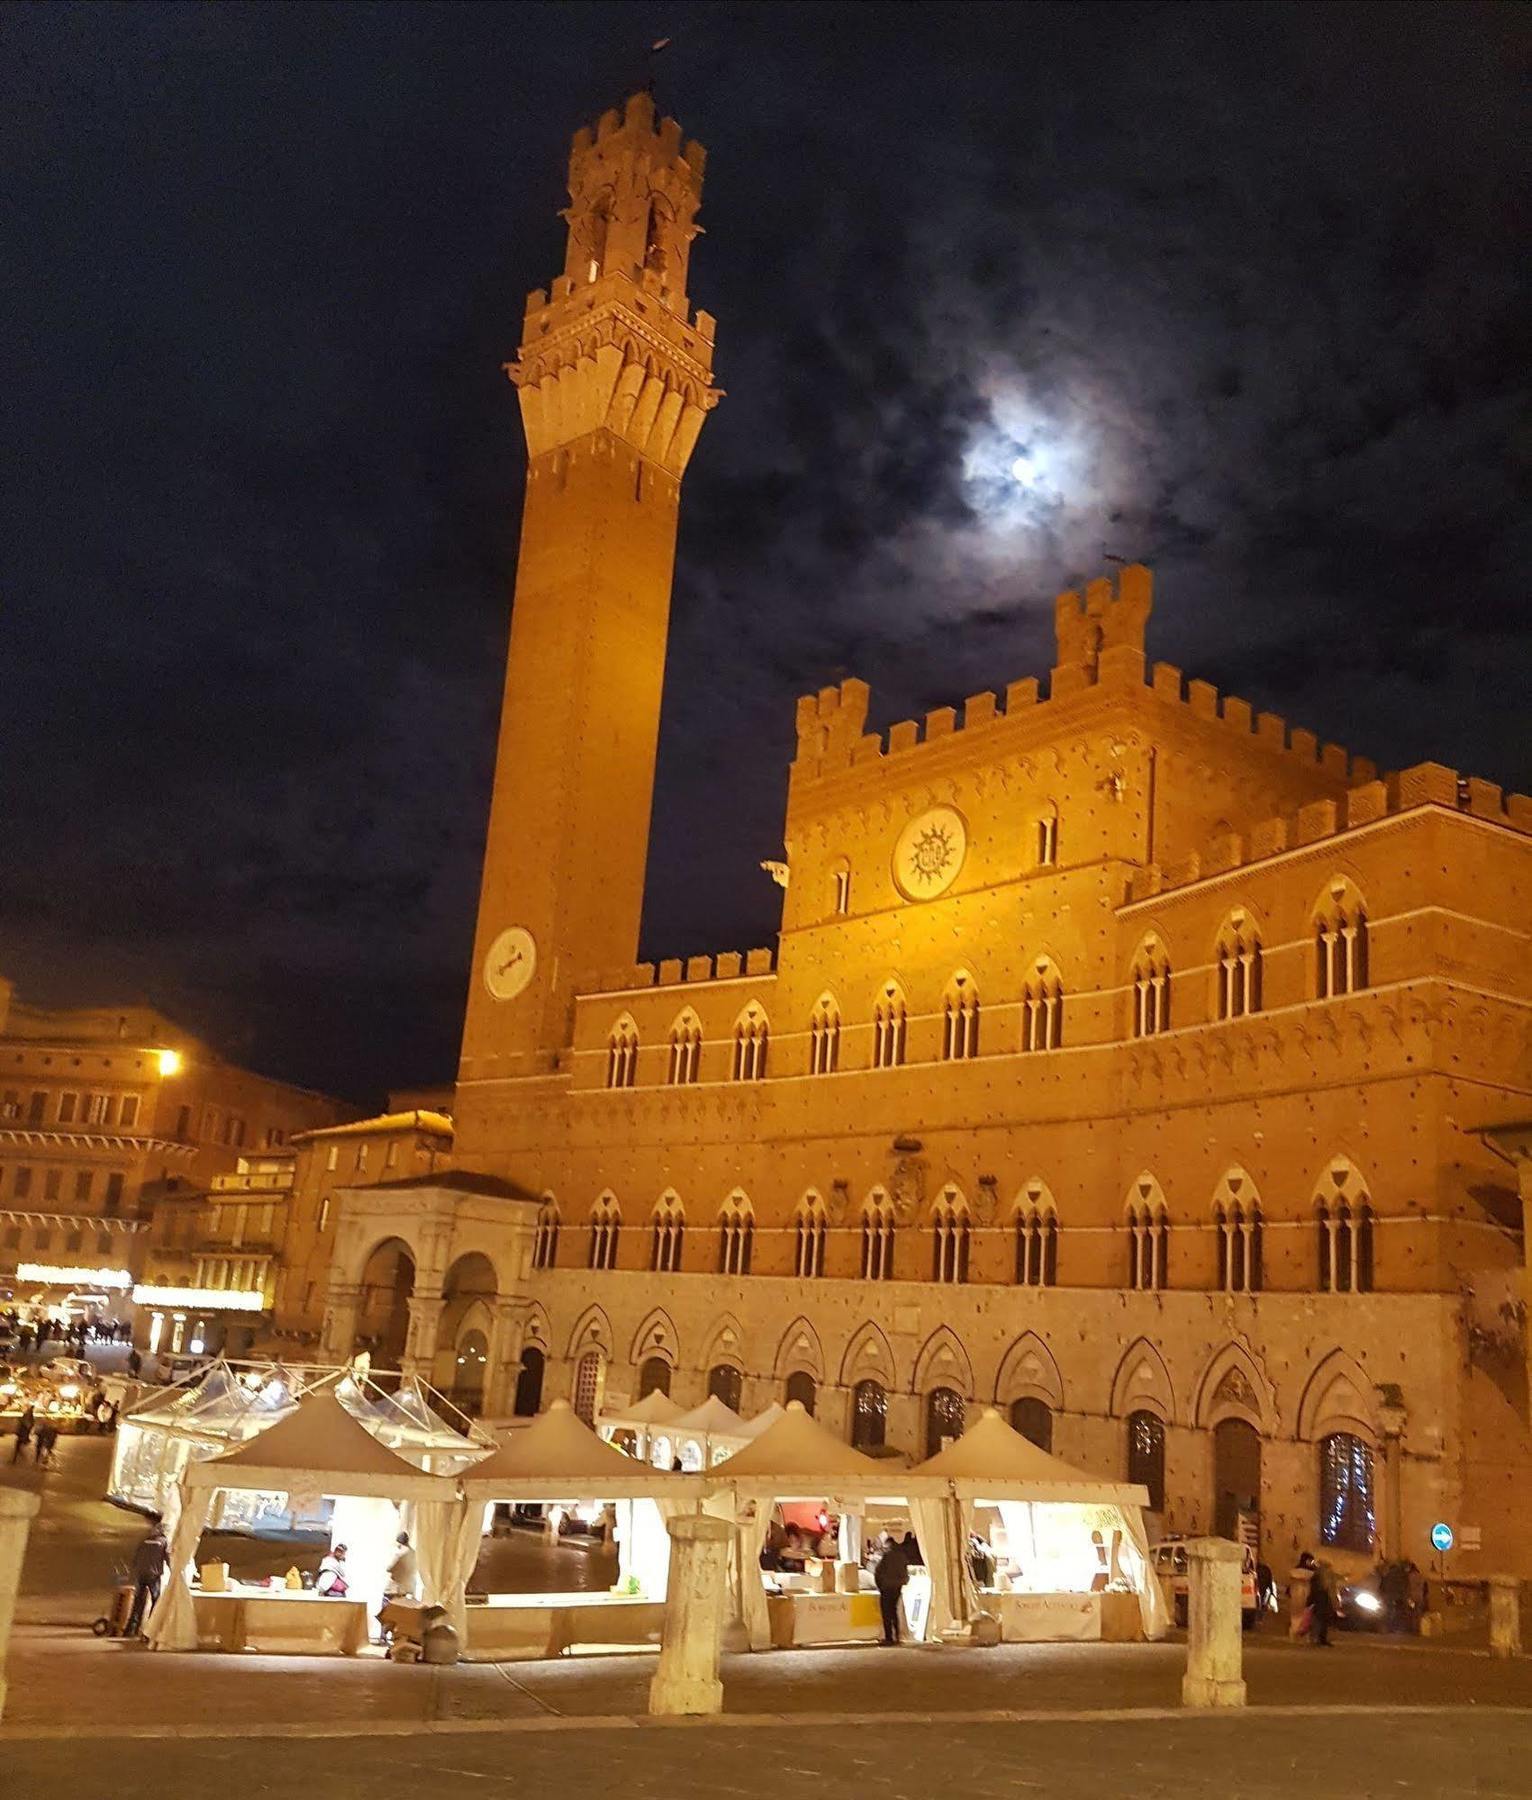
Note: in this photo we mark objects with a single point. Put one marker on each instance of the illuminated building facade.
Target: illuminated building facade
(1123, 1059)
(104, 1112)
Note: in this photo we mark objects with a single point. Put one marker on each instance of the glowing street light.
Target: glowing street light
(170, 1062)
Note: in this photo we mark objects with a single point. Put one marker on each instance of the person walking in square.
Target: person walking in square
(148, 1572)
(24, 1432)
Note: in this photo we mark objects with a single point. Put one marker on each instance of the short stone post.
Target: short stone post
(16, 1509)
(1504, 1615)
(687, 1678)
(1214, 1641)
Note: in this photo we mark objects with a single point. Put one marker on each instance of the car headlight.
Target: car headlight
(1367, 1602)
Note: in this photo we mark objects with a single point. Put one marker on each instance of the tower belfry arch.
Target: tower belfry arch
(614, 379)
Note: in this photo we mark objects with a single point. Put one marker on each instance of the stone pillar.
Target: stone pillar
(1214, 1642)
(16, 1509)
(502, 1359)
(342, 1305)
(1392, 1417)
(1504, 1615)
(687, 1678)
(420, 1345)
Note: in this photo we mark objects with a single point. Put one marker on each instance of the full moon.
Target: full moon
(1024, 471)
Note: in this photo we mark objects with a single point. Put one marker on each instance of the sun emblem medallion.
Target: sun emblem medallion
(930, 853)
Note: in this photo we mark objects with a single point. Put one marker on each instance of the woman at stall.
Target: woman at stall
(331, 1581)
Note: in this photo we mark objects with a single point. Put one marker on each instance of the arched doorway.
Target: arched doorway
(802, 1387)
(1236, 1477)
(588, 1384)
(383, 1307)
(468, 1367)
(869, 1415)
(653, 1376)
(946, 1416)
(726, 1383)
(1033, 1418)
(529, 1383)
(1146, 1455)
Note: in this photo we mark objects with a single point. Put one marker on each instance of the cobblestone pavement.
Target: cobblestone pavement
(1253, 1757)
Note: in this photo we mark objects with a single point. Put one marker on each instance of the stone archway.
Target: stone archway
(383, 1303)
(1236, 1477)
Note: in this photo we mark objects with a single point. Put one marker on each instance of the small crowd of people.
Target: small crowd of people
(42, 1434)
(77, 1333)
(1400, 1588)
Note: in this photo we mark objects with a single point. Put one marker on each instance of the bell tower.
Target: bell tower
(614, 377)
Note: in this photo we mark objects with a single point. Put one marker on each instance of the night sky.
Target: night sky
(1240, 290)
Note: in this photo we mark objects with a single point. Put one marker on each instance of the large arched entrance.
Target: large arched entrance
(529, 1383)
(1236, 1477)
(383, 1307)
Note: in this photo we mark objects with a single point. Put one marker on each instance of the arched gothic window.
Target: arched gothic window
(1033, 1418)
(877, 1238)
(824, 1036)
(1042, 1014)
(545, 1239)
(726, 1383)
(1238, 960)
(888, 1027)
(605, 1227)
(1347, 1513)
(869, 1415)
(946, 1415)
(1340, 942)
(588, 1383)
(960, 1019)
(1151, 989)
(622, 1054)
(1148, 1244)
(669, 1240)
(1146, 1455)
(1037, 1239)
(685, 1049)
(750, 1037)
(1344, 1219)
(653, 1376)
(736, 1236)
(801, 1387)
(950, 1235)
(809, 1240)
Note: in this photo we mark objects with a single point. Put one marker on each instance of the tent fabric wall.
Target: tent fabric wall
(449, 1536)
(173, 1623)
(939, 1532)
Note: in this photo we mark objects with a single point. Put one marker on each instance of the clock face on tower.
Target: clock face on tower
(510, 964)
(929, 853)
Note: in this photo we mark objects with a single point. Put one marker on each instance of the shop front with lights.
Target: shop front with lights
(198, 1321)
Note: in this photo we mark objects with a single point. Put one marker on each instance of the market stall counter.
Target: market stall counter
(279, 1621)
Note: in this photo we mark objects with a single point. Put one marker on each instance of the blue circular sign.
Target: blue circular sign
(1441, 1536)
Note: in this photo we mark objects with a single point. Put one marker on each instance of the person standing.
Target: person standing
(1321, 1607)
(148, 1573)
(24, 1432)
(43, 1446)
(890, 1577)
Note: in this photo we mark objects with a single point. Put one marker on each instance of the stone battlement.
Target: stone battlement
(1426, 784)
(691, 971)
(831, 724)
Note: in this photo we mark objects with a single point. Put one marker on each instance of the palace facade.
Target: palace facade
(1126, 1059)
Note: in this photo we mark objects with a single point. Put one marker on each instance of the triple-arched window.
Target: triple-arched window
(960, 1019)
(545, 1239)
(605, 1227)
(1148, 1239)
(622, 1054)
(824, 1036)
(1037, 1238)
(1340, 942)
(751, 1034)
(1238, 960)
(1151, 988)
(1237, 1220)
(685, 1049)
(1042, 1008)
(1344, 1220)
(669, 1238)
(878, 1227)
(810, 1231)
(951, 1233)
(736, 1236)
(888, 1027)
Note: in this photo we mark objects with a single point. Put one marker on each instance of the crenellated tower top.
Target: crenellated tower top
(612, 344)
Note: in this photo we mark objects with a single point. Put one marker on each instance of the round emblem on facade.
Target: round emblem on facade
(510, 964)
(930, 853)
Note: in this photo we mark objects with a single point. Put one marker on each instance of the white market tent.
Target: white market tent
(319, 1448)
(1064, 1524)
(707, 1433)
(558, 1458)
(648, 1419)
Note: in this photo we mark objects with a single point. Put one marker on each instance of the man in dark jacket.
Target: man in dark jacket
(148, 1572)
(890, 1576)
(24, 1432)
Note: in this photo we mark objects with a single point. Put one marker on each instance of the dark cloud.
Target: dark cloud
(1241, 288)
